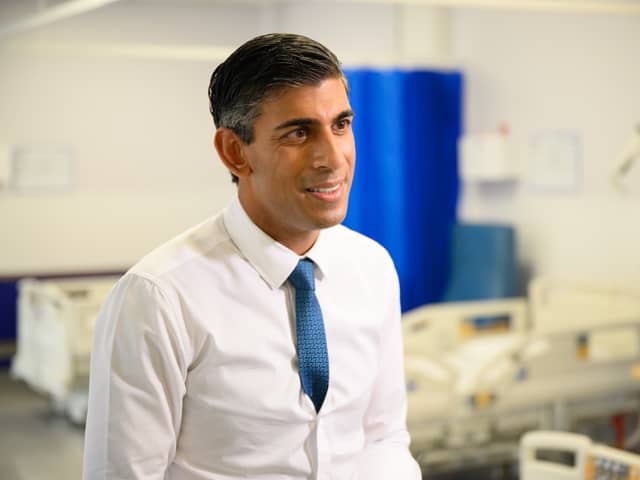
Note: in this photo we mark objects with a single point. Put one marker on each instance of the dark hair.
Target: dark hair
(262, 67)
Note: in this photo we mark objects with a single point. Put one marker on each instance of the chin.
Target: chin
(330, 219)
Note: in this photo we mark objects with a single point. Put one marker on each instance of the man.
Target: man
(264, 343)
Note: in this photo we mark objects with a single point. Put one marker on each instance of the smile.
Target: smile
(324, 190)
(330, 194)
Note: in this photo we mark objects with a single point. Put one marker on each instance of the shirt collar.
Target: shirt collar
(272, 260)
(320, 252)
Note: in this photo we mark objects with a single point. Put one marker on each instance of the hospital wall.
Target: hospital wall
(138, 128)
(538, 73)
(140, 132)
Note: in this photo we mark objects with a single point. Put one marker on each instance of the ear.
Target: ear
(231, 150)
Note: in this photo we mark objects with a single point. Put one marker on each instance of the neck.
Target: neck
(298, 244)
(297, 241)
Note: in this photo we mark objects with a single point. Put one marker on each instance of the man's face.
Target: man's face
(301, 162)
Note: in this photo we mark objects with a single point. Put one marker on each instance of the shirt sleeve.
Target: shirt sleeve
(386, 453)
(137, 382)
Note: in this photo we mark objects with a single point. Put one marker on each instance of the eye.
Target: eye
(298, 135)
(343, 124)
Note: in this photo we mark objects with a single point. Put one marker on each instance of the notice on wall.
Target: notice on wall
(41, 168)
(554, 161)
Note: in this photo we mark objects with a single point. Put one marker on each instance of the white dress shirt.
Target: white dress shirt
(194, 368)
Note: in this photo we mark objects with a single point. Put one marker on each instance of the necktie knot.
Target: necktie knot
(302, 277)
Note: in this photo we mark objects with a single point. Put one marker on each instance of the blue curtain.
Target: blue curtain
(405, 191)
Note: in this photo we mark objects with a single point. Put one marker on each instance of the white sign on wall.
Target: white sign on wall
(554, 161)
(486, 157)
(41, 168)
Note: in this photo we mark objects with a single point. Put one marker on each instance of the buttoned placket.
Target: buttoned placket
(323, 446)
(319, 442)
(323, 449)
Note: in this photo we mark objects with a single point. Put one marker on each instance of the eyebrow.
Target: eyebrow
(301, 122)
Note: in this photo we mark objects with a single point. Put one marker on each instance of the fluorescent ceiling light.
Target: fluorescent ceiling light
(567, 6)
(53, 14)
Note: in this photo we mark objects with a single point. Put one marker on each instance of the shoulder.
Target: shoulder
(356, 252)
(184, 252)
(359, 246)
(150, 296)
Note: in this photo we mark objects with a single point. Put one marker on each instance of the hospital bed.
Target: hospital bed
(480, 374)
(56, 319)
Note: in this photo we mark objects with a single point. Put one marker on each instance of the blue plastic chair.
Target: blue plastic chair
(482, 266)
(482, 263)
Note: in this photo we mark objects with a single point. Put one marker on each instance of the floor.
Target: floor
(35, 444)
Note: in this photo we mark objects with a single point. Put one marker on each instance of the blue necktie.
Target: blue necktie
(313, 360)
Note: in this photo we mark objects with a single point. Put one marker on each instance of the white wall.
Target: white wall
(141, 133)
(139, 128)
(572, 72)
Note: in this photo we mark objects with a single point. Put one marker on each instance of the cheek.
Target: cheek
(350, 156)
(290, 165)
(349, 148)
(284, 176)
(271, 170)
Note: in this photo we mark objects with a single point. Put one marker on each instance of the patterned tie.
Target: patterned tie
(313, 361)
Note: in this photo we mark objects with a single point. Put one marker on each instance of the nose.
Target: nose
(331, 151)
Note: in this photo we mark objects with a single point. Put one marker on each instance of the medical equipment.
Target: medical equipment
(629, 156)
(567, 456)
(569, 354)
(54, 334)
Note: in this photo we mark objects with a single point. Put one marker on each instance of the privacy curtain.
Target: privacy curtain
(405, 191)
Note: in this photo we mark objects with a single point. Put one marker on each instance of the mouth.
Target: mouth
(326, 192)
